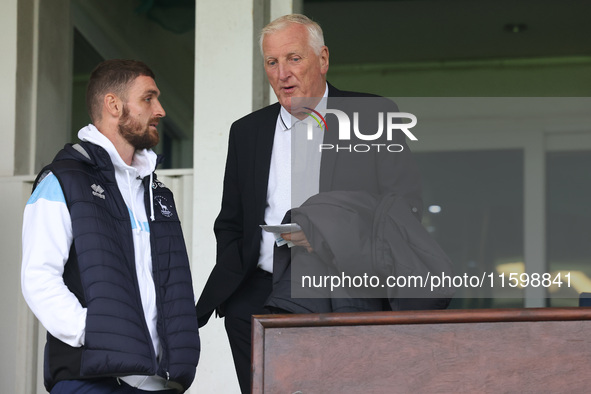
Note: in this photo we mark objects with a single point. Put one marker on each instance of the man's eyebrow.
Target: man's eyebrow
(152, 92)
(287, 55)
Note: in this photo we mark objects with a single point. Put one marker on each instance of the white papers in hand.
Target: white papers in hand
(278, 229)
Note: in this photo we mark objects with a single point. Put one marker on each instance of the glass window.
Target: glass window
(473, 207)
(568, 231)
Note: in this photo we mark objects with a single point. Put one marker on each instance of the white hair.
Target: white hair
(315, 36)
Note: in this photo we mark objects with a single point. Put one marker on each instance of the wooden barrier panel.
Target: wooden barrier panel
(537, 350)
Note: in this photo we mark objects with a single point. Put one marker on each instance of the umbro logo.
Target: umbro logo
(98, 191)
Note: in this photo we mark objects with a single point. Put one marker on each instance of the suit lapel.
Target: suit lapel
(264, 148)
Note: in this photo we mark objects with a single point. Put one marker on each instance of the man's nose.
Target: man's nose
(160, 112)
(284, 71)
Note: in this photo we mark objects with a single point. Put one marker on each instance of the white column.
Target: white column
(36, 90)
(223, 93)
(13, 367)
(284, 7)
(534, 211)
(229, 84)
(8, 48)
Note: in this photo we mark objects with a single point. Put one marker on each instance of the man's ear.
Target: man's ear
(113, 105)
(324, 60)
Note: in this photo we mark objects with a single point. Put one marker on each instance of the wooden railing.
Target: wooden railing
(450, 351)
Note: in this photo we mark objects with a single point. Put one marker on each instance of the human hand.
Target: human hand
(298, 238)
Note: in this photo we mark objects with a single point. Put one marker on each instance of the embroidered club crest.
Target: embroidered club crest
(164, 204)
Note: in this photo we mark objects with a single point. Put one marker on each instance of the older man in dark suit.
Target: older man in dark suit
(257, 185)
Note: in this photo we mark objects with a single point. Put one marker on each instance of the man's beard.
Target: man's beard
(138, 135)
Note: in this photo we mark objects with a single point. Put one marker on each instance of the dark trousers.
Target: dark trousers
(248, 300)
(100, 386)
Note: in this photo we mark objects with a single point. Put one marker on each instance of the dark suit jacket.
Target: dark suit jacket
(245, 189)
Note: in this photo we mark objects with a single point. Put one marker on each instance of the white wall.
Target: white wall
(223, 93)
(226, 47)
(8, 48)
(12, 363)
(18, 339)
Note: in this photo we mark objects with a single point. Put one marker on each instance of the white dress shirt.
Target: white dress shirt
(294, 173)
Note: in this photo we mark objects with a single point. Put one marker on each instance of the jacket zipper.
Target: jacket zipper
(139, 300)
(162, 366)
